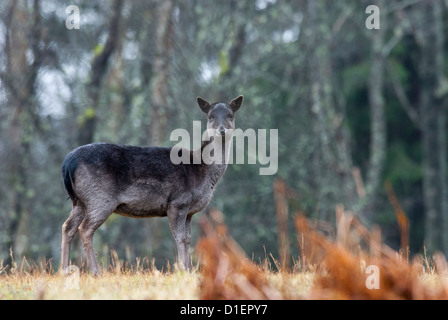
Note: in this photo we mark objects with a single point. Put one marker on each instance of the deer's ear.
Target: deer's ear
(203, 104)
(236, 103)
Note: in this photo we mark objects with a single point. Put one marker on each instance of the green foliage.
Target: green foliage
(224, 65)
(89, 113)
(98, 49)
(401, 168)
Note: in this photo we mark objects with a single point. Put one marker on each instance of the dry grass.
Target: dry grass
(345, 261)
(328, 269)
(34, 284)
(331, 268)
(114, 286)
(26, 280)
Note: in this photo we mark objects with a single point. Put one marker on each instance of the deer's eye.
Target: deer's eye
(230, 117)
(210, 118)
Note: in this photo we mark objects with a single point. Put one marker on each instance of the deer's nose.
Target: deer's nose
(222, 131)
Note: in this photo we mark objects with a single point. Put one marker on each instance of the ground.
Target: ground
(111, 285)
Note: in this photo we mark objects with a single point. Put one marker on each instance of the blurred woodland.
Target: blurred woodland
(361, 114)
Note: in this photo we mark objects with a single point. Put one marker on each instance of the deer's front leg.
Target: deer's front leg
(187, 242)
(177, 219)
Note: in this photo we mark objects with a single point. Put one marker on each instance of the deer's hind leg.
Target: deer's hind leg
(69, 229)
(94, 218)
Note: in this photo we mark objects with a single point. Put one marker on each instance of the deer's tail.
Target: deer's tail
(68, 175)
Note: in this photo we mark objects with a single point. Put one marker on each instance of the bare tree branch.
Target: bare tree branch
(98, 71)
(402, 97)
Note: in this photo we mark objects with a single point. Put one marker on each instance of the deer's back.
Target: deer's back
(137, 181)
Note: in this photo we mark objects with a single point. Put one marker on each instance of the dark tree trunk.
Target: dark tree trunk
(377, 150)
(23, 35)
(334, 173)
(433, 114)
(158, 99)
(159, 87)
(98, 71)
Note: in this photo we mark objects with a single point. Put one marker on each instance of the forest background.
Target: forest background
(361, 112)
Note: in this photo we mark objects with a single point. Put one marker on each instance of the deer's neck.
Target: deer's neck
(215, 154)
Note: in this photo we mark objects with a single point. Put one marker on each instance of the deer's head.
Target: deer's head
(220, 115)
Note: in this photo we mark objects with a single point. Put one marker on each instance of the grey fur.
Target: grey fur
(102, 179)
